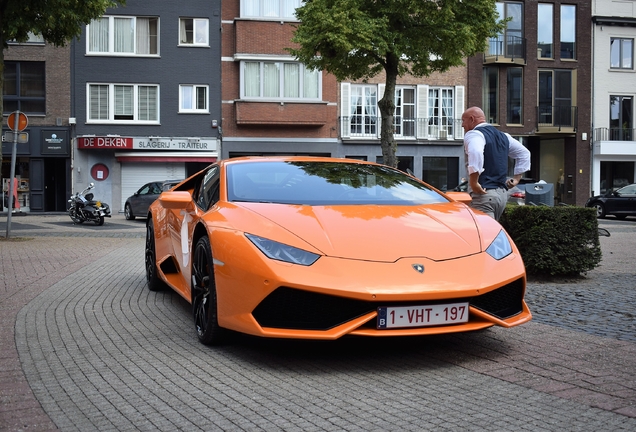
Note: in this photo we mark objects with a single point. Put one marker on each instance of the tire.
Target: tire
(128, 212)
(74, 217)
(204, 302)
(152, 277)
(600, 210)
(100, 221)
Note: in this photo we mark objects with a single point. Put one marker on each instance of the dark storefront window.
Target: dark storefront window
(441, 172)
(24, 87)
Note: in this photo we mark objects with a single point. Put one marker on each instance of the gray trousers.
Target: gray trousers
(493, 202)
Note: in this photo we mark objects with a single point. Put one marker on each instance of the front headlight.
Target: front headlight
(500, 247)
(282, 252)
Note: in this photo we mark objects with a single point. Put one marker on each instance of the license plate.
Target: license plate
(422, 316)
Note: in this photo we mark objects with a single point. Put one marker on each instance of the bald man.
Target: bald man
(487, 151)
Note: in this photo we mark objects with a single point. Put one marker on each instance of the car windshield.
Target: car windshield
(325, 183)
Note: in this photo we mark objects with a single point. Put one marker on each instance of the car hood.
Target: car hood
(380, 233)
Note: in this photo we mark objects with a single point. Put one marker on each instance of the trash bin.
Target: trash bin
(540, 194)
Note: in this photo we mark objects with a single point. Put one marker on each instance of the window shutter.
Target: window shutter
(459, 110)
(345, 110)
(422, 112)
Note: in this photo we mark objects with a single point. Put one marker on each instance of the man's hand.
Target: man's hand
(474, 184)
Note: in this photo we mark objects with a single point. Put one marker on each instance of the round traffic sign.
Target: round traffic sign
(23, 121)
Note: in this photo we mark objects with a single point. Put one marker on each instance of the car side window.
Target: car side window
(208, 192)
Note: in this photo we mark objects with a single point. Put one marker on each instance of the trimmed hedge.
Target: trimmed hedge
(554, 241)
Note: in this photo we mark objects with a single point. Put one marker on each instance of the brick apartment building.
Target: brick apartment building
(271, 104)
(37, 80)
(534, 82)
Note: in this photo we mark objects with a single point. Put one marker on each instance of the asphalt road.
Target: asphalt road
(86, 346)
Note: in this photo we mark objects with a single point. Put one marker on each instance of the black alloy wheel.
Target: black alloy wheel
(154, 282)
(204, 304)
(128, 213)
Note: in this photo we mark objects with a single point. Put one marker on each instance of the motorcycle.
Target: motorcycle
(82, 207)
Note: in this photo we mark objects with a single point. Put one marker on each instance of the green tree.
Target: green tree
(358, 39)
(58, 21)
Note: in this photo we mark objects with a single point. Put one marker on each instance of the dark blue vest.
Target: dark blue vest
(495, 158)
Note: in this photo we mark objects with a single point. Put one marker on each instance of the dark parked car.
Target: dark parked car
(137, 204)
(620, 202)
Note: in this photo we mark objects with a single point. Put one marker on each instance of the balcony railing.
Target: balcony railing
(614, 134)
(511, 49)
(367, 127)
(557, 118)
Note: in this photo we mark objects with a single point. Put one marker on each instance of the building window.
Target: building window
(123, 103)
(545, 31)
(274, 9)
(621, 118)
(556, 106)
(110, 35)
(490, 94)
(279, 80)
(193, 98)
(32, 39)
(194, 32)
(621, 53)
(510, 42)
(568, 32)
(515, 96)
(440, 113)
(441, 172)
(404, 117)
(24, 87)
(363, 110)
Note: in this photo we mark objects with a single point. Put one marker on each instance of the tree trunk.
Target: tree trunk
(387, 111)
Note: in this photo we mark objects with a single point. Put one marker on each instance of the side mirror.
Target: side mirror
(91, 185)
(175, 200)
(460, 196)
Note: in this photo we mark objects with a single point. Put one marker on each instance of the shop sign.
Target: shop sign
(55, 143)
(148, 143)
(104, 142)
(172, 144)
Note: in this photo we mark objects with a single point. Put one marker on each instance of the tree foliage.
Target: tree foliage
(58, 21)
(358, 39)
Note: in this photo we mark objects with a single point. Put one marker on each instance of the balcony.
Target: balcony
(614, 134)
(506, 50)
(613, 142)
(368, 128)
(556, 119)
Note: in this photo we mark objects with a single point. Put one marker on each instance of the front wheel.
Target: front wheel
(204, 302)
(74, 216)
(99, 221)
(128, 212)
(600, 210)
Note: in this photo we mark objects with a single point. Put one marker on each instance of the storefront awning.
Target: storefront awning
(165, 157)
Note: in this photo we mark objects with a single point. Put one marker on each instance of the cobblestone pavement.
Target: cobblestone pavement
(86, 346)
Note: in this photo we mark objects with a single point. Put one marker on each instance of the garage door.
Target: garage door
(136, 174)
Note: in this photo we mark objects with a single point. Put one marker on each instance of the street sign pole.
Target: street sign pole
(19, 123)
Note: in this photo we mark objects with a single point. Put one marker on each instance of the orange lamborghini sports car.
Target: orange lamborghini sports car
(319, 248)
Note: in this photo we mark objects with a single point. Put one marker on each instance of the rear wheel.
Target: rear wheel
(154, 282)
(204, 304)
(128, 212)
(600, 210)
